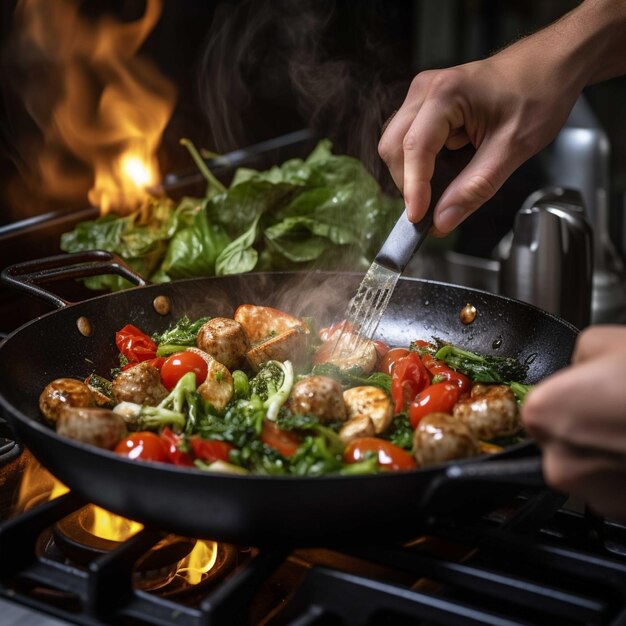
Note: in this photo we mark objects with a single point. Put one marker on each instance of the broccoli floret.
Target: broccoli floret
(140, 417)
(273, 385)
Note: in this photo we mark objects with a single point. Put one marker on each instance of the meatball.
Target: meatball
(140, 384)
(98, 427)
(61, 393)
(490, 411)
(224, 339)
(440, 437)
(320, 396)
(371, 401)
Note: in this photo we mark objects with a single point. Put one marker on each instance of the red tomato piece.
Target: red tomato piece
(134, 344)
(408, 378)
(439, 368)
(179, 364)
(210, 450)
(381, 348)
(390, 359)
(171, 442)
(283, 441)
(261, 322)
(146, 446)
(438, 398)
(390, 456)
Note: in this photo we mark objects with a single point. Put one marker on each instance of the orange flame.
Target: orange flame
(111, 105)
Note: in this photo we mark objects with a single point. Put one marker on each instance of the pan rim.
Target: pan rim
(24, 421)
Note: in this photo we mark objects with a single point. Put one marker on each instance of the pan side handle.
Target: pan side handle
(526, 472)
(30, 275)
(483, 478)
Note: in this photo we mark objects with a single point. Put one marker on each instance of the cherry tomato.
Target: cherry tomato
(261, 322)
(146, 446)
(171, 442)
(283, 441)
(390, 359)
(390, 456)
(408, 378)
(439, 368)
(438, 398)
(210, 450)
(134, 344)
(179, 364)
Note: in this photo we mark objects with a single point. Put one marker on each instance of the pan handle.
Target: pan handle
(452, 482)
(29, 275)
(527, 472)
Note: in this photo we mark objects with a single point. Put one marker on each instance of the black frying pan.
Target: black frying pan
(258, 509)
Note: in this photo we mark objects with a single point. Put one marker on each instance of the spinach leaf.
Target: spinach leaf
(239, 256)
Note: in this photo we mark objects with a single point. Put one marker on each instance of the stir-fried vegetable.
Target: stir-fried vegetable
(424, 404)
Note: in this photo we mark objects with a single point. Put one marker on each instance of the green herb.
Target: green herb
(400, 432)
(520, 391)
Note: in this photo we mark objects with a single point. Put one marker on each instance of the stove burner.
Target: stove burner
(158, 569)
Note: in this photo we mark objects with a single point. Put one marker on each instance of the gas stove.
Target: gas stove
(532, 561)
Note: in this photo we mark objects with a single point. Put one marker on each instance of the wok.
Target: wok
(259, 509)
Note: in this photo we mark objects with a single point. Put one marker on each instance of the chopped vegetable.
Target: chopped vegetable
(179, 336)
(482, 368)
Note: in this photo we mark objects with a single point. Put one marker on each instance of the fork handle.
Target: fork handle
(403, 241)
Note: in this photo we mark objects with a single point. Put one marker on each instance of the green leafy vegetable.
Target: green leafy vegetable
(520, 391)
(179, 336)
(325, 211)
(353, 376)
(482, 368)
(400, 432)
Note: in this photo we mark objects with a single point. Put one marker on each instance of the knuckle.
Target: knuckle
(385, 149)
(479, 189)
(410, 141)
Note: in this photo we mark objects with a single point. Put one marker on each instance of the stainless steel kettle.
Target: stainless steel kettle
(548, 258)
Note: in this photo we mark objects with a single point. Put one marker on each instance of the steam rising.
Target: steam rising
(266, 55)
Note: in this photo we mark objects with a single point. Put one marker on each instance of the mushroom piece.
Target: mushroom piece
(490, 411)
(359, 426)
(61, 393)
(321, 396)
(440, 437)
(372, 402)
(140, 384)
(290, 345)
(218, 387)
(224, 339)
(98, 427)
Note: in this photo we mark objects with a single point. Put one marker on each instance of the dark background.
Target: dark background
(248, 71)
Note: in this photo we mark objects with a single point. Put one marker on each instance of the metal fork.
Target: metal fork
(372, 297)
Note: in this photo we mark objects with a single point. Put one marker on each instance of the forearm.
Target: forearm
(588, 44)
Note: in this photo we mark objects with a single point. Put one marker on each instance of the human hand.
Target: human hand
(508, 106)
(578, 417)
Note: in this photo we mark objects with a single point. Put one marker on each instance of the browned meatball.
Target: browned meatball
(320, 396)
(64, 392)
(439, 437)
(140, 384)
(98, 427)
(224, 339)
(491, 411)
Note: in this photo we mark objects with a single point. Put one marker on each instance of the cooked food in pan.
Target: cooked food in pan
(265, 393)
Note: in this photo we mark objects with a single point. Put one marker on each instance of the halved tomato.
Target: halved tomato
(390, 456)
(146, 446)
(283, 441)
